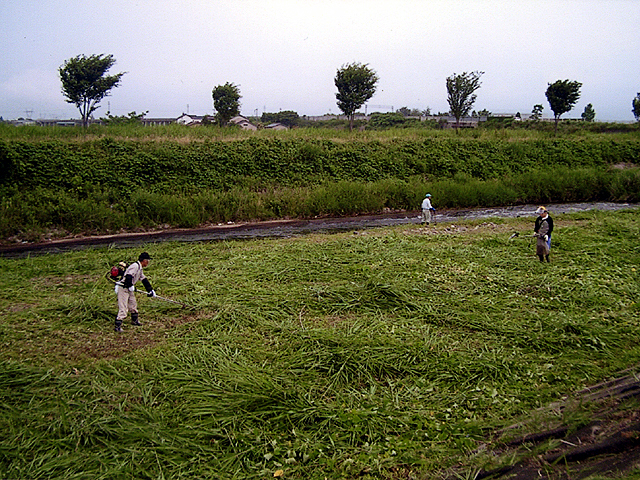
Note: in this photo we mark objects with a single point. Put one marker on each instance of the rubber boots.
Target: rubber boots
(134, 319)
(118, 327)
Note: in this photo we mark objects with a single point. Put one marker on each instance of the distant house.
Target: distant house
(277, 126)
(243, 123)
(189, 120)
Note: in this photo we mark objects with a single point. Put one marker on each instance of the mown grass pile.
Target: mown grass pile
(385, 353)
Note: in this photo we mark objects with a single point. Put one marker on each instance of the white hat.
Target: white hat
(428, 195)
(541, 210)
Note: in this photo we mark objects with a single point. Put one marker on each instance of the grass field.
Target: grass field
(386, 353)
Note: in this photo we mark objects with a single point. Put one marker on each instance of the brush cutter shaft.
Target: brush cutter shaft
(168, 300)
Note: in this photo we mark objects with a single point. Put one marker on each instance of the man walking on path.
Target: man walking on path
(428, 212)
(125, 290)
(543, 228)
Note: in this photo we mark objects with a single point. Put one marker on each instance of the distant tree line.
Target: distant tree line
(85, 83)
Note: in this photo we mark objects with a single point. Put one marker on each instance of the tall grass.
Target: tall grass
(386, 353)
(36, 213)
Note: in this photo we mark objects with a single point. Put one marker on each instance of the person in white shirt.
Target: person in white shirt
(428, 212)
(125, 290)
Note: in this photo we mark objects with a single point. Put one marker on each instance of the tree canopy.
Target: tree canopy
(132, 118)
(589, 114)
(226, 102)
(84, 82)
(286, 117)
(460, 93)
(356, 83)
(562, 96)
(636, 107)
(536, 113)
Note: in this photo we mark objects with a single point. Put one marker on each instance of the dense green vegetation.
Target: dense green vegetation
(106, 179)
(391, 353)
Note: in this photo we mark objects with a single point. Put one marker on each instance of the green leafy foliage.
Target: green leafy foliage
(356, 83)
(85, 83)
(635, 103)
(107, 184)
(132, 118)
(562, 96)
(164, 166)
(288, 118)
(461, 92)
(226, 102)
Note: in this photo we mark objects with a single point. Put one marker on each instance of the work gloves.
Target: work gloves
(152, 293)
(546, 237)
(132, 288)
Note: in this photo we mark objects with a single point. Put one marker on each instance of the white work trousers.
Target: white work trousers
(126, 303)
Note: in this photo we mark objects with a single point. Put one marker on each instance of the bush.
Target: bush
(106, 184)
(167, 167)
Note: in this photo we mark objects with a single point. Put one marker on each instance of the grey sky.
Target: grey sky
(284, 54)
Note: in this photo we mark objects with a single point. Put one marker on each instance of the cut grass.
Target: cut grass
(387, 353)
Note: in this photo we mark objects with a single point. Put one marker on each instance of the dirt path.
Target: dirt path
(288, 228)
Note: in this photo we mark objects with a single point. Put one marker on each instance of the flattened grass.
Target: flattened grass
(378, 354)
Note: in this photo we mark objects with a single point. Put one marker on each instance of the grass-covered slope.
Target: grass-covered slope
(57, 182)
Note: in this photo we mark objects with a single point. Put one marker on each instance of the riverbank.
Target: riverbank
(288, 228)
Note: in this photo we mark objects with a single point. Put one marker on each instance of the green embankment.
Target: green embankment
(102, 184)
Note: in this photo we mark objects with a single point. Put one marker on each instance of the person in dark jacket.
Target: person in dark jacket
(543, 229)
(126, 289)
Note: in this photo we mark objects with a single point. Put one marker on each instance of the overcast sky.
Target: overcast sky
(284, 54)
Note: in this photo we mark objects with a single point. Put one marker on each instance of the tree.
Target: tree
(226, 102)
(133, 118)
(381, 121)
(562, 96)
(356, 84)
(285, 117)
(536, 113)
(589, 114)
(84, 82)
(636, 107)
(460, 93)
(482, 113)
